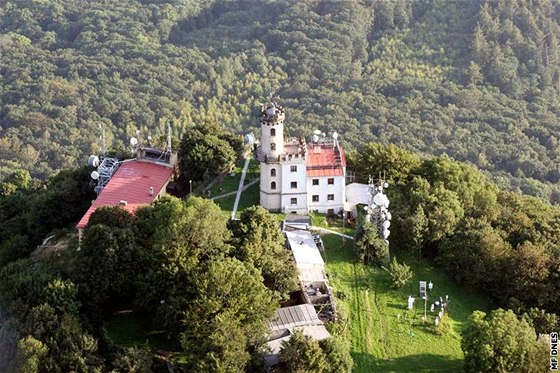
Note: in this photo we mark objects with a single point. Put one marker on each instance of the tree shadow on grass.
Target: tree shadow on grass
(407, 364)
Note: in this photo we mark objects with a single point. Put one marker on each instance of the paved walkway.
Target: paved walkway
(245, 187)
(240, 188)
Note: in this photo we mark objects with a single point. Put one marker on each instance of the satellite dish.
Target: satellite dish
(315, 138)
(386, 233)
(388, 216)
(380, 199)
(385, 185)
(317, 132)
(386, 224)
(94, 175)
(324, 134)
(93, 161)
(366, 208)
(133, 141)
(335, 135)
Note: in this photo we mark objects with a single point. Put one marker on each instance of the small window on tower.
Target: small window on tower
(330, 197)
(272, 146)
(293, 168)
(293, 201)
(315, 198)
(273, 172)
(273, 185)
(315, 181)
(273, 132)
(294, 184)
(330, 181)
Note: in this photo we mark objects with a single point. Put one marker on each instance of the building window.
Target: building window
(330, 181)
(294, 184)
(273, 132)
(315, 181)
(293, 168)
(330, 197)
(273, 185)
(315, 198)
(293, 201)
(272, 172)
(273, 146)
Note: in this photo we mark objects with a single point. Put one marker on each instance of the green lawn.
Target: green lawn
(382, 343)
(248, 198)
(230, 183)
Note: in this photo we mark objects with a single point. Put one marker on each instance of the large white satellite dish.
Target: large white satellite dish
(380, 199)
(386, 233)
(94, 175)
(133, 141)
(335, 135)
(386, 224)
(385, 185)
(317, 132)
(315, 138)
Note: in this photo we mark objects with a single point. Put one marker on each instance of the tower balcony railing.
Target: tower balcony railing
(265, 158)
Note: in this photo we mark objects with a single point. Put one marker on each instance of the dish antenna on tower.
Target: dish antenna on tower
(93, 161)
(94, 175)
(133, 142)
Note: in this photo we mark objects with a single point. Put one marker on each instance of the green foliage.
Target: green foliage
(400, 273)
(228, 313)
(132, 359)
(258, 240)
(499, 343)
(337, 354)
(206, 150)
(542, 321)
(29, 355)
(372, 249)
(301, 354)
(478, 83)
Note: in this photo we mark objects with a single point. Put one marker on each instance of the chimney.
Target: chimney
(151, 191)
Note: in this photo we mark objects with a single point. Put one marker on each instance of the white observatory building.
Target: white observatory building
(297, 177)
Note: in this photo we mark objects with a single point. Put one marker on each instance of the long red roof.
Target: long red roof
(325, 160)
(131, 183)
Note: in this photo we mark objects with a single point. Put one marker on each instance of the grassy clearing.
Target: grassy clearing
(230, 182)
(248, 198)
(380, 341)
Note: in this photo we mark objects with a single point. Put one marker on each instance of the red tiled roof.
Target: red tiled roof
(130, 183)
(325, 160)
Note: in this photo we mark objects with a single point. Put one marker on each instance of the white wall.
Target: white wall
(270, 199)
(300, 193)
(323, 190)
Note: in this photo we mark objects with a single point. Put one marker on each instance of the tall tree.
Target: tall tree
(258, 240)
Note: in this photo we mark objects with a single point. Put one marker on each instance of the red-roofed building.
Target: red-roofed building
(297, 177)
(137, 182)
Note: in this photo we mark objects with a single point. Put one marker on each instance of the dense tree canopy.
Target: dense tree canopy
(501, 343)
(477, 80)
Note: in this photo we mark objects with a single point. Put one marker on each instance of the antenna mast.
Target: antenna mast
(169, 138)
(103, 149)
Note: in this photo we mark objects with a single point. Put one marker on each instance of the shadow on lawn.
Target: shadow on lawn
(410, 363)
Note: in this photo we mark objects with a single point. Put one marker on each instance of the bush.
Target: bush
(400, 273)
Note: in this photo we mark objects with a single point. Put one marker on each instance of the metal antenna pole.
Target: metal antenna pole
(103, 149)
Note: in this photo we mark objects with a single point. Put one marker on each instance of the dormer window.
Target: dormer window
(273, 132)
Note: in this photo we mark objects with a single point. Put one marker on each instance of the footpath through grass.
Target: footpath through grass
(383, 342)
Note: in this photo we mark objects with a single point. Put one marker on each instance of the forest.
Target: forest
(476, 80)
